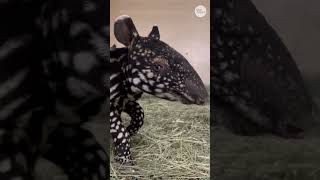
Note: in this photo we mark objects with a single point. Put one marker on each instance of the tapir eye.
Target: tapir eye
(158, 67)
(160, 64)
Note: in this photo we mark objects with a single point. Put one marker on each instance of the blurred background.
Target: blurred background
(298, 24)
(270, 157)
(178, 25)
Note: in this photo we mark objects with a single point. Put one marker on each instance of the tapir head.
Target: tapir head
(156, 68)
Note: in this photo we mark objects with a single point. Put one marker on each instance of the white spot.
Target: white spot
(150, 75)
(229, 76)
(84, 61)
(13, 82)
(5, 165)
(135, 89)
(160, 86)
(80, 88)
(89, 6)
(113, 88)
(142, 77)
(120, 135)
(113, 76)
(136, 81)
(10, 46)
(151, 82)
(134, 70)
(126, 134)
(7, 109)
(78, 27)
(158, 90)
(146, 88)
(114, 95)
(64, 58)
(223, 65)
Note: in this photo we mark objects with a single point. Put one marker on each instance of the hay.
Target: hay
(172, 144)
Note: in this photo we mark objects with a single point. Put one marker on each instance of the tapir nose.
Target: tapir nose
(197, 91)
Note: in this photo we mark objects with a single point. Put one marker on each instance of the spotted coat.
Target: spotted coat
(254, 73)
(145, 65)
(52, 80)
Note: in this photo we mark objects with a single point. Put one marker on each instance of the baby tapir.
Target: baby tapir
(145, 64)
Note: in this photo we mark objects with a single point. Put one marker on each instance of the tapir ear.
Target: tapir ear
(124, 30)
(154, 33)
